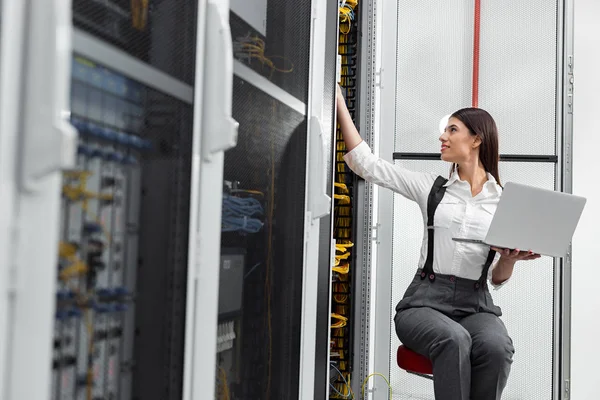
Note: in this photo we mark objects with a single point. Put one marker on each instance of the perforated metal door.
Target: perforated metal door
(263, 202)
(161, 33)
(518, 71)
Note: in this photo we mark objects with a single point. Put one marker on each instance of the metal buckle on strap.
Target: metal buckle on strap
(430, 227)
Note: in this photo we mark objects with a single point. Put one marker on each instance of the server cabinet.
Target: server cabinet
(121, 305)
(128, 237)
(275, 199)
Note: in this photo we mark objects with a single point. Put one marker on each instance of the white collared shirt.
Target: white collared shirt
(459, 214)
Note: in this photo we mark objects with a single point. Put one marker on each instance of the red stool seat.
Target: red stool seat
(413, 362)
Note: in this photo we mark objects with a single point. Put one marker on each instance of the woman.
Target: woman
(447, 313)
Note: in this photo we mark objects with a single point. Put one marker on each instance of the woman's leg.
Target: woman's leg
(491, 355)
(445, 342)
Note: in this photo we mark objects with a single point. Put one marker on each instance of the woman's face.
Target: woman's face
(458, 145)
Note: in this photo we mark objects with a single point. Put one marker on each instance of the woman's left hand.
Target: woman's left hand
(516, 255)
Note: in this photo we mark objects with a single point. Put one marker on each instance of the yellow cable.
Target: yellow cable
(254, 47)
(79, 192)
(344, 199)
(139, 14)
(341, 270)
(247, 191)
(74, 269)
(66, 250)
(344, 16)
(341, 186)
(369, 377)
(270, 256)
(224, 384)
(340, 298)
(343, 246)
(341, 320)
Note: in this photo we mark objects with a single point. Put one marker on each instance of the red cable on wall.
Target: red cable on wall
(476, 53)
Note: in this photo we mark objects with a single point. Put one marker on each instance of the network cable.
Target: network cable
(253, 47)
(350, 394)
(239, 214)
(346, 12)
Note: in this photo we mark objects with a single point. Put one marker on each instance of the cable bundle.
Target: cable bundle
(222, 385)
(342, 390)
(340, 329)
(253, 47)
(139, 14)
(239, 214)
(346, 11)
(75, 190)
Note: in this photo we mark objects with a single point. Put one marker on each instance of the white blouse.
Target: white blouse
(458, 215)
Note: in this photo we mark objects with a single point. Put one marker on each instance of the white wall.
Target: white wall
(585, 348)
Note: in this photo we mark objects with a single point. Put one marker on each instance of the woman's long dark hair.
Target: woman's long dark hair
(480, 123)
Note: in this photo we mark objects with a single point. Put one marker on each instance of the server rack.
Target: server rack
(344, 282)
(125, 216)
(275, 202)
(134, 216)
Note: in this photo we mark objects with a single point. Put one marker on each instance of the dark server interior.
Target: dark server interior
(161, 33)
(123, 254)
(258, 355)
(263, 226)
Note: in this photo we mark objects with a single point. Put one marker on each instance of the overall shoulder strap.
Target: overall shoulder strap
(482, 281)
(435, 197)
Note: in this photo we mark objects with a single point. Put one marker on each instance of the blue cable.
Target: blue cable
(339, 393)
(238, 206)
(239, 214)
(245, 224)
(345, 381)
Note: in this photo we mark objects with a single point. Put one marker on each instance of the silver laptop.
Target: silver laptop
(529, 218)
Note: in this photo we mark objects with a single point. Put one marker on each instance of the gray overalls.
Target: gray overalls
(453, 321)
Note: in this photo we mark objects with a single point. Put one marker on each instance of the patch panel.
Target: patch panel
(94, 299)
